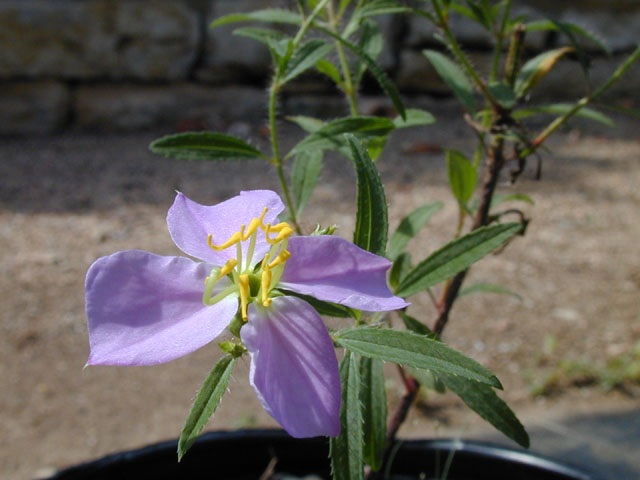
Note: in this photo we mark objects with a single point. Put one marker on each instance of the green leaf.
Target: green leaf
(454, 77)
(536, 68)
(484, 401)
(346, 449)
(414, 118)
(504, 94)
(374, 411)
(264, 35)
(499, 198)
(383, 80)
(325, 308)
(330, 135)
(462, 176)
(371, 42)
(456, 257)
(304, 176)
(429, 380)
(401, 266)
(206, 402)
(269, 15)
(204, 146)
(305, 57)
(483, 287)
(416, 326)
(408, 348)
(375, 146)
(561, 109)
(372, 224)
(382, 7)
(329, 69)
(409, 226)
(308, 124)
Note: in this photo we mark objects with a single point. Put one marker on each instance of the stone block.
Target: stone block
(137, 39)
(174, 107)
(231, 58)
(33, 107)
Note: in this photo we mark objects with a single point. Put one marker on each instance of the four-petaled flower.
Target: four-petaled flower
(145, 309)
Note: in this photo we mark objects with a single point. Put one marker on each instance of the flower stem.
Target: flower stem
(344, 65)
(277, 159)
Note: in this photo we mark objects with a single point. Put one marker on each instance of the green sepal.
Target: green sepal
(206, 402)
(231, 348)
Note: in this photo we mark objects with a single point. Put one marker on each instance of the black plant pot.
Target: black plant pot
(244, 455)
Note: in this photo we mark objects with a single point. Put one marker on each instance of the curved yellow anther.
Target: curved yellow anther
(265, 285)
(243, 284)
(235, 238)
(282, 257)
(226, 269)
(265, 262)
(283, 229)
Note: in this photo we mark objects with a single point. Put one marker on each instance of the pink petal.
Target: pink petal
(143, 309)
(293, 367)
(334, 270)
(190, 223)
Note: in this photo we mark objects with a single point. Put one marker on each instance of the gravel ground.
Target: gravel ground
(64, 201)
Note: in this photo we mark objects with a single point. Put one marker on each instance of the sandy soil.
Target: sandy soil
(67, 200)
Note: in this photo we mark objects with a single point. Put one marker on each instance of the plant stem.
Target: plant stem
(277, 159)
(461, 57)
(495, 64)
(344, 65)
(583, 102)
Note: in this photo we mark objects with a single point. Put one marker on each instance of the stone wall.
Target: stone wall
(136, 64)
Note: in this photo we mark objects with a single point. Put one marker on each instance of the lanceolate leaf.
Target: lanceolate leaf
(561, 109)
(308, 124)
(206, 403)
(462, 176)
(409, 226)
(414, 118)
(329, 69)
(408, 348)
(304, 177)
(371, 42)
(401, 266)
(536, 68)
(454, 77)
(330, 135)
(264, 35)
(416, 326)
(204, 146)
(345, 450)
(305, 57)
(483, 287)
(456, 257)
(372, 224)
(270, 15)
(483, 400)
(374, 410)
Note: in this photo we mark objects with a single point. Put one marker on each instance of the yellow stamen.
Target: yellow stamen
(282, 257)
(227, 268)
(283, 229)
(265, 285)
(235, 238)
(254, 224)
(243, 284)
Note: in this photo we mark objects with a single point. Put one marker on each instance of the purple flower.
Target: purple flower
(145, 309)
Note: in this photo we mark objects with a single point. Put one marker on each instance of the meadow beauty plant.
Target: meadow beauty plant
(144, 309)
(264, 284)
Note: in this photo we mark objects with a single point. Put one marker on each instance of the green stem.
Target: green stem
(583, 102)
(344, 65)
(277, 159)
(308, 21)
(461, 57)
(495, 64)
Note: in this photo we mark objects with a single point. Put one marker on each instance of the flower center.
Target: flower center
(268, 272)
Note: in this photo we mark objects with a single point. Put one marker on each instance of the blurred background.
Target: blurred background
(87, 84)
